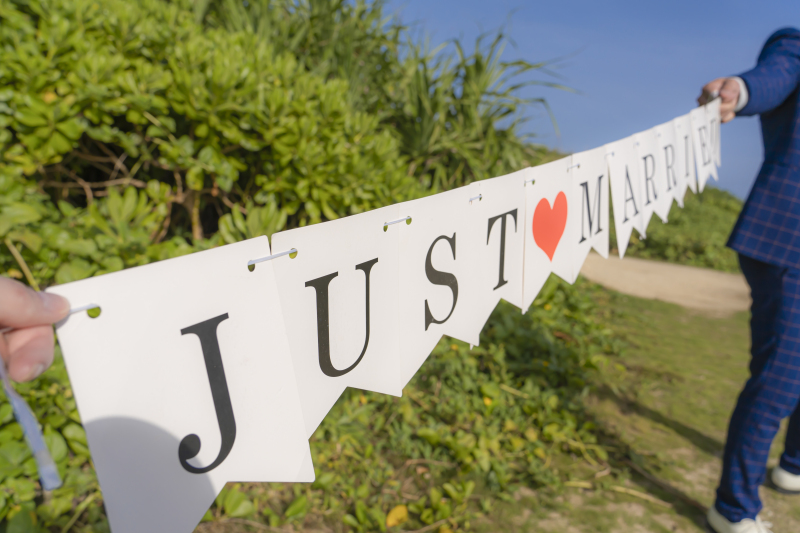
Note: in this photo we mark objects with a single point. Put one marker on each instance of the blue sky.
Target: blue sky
(636, 64)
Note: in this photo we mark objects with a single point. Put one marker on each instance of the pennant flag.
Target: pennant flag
(714, 123)
(626, 196)
(340, 299)
(590, 194)
(499, 238)
(549, 221)
(703, 150)
(667, 146)
(652, 177)
(184, 382)
(439, 272)
(685, 154)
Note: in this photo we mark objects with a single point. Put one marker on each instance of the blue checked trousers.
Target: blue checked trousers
(770, 395)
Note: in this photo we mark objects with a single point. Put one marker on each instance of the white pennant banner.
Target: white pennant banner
(202, 370)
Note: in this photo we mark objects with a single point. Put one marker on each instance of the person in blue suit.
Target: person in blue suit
(767, 239)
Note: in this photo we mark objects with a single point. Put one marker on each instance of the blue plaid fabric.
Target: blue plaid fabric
(770, 395)
(768, 228)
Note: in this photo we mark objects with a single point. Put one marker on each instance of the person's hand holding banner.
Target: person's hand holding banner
(28, 350)
(728, 90)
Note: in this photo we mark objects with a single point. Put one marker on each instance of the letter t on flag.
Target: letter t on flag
(184, 382)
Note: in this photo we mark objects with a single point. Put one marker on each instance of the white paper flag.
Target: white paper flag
(667, 145)
(626, 196)
(703, 150)
(714, 122)
(184, 382)
(685, 154)
(652, 177)
(500, 239)
(340, 302)
(549, 227)
(590, 195)
(439, 272)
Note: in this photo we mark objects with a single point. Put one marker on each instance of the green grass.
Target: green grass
(664, 405)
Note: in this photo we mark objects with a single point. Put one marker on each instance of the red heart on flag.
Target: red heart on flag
(549, 223)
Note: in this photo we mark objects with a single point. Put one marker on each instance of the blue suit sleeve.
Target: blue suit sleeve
(776, 75)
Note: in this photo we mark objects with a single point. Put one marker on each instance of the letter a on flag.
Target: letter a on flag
(626, 196)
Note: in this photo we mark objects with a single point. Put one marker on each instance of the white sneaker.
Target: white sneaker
(785, 482)
(719, 524)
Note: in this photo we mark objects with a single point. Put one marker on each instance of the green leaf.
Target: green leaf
(238, 505)
(17, 214)
(56, 444)
(430, 435)
(72, 129)
(31, 118)
(492, 390)
(194, 178)
(298, 507)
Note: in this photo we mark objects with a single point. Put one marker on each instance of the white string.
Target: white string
(399, 220)
(271, 257)
(578, 165)
(476, 198)
(71, 312)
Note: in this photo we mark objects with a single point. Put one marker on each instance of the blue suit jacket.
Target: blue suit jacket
(768, 228)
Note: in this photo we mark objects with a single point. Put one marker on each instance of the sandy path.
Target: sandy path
(703, 289)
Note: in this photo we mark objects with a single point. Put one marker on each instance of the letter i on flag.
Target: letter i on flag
(549, 227)
(184, 382)
(439, 272)
(626, 196)
(340, 300)
(652, 177)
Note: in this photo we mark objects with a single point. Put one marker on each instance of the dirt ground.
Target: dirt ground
(715, 293)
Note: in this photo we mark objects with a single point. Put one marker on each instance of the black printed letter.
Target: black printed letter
(588, 208)
(323, 321)
(648, 177)
(687, 159)
(501, 278)
(669, 159)
(440, 278)
(629, 188)
(190, 445)
(704, 148)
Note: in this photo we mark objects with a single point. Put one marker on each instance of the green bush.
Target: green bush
(133, 132)
(695, 235)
